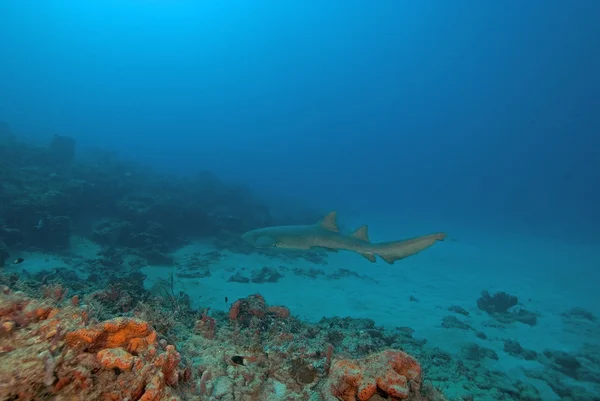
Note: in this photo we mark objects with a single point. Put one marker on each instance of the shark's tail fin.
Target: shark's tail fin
(393, 251)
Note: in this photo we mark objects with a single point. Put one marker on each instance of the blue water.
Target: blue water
(476, 118)
(485, 111)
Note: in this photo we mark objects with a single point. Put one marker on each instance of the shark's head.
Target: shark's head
(260, 238)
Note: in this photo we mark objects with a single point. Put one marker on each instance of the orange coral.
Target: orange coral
(122, 330)
(55, 353)
(111, 358)
(348, 379)
(234, 311)
(114, 341)
(153, 390)
(81, 337)
(131, 334)
(168, 362)
(393, 372)
(279, 311)
(40, 312)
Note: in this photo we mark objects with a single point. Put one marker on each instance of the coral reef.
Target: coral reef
(56, 344)
(50, 347)
(46, 351)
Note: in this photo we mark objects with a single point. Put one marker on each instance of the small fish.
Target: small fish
(238, 360)
(18, 260)
(226, 300)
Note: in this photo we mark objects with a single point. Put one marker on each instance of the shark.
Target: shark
(326, 235)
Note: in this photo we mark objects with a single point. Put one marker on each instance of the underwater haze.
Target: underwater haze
(481, 111)
(479, 119)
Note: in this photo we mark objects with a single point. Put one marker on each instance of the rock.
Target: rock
(110, 231)
(265, 275)
(458, 309)
(474, 352)
(563, 362)
(238, 278)
(498, 303)
(498, 306)
(512, 347)
(452, 322)
(579, 313)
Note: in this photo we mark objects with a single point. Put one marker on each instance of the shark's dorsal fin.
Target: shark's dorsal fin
(361, 233)
(329, 222)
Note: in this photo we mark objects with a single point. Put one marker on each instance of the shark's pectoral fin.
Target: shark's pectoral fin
(329, 222)
(362, 233)
(388, 259)
(265, 242)
(370, 256)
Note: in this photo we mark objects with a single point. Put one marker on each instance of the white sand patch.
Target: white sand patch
(450, 273)
(34, 262)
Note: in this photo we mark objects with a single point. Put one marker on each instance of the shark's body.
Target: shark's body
(326, 234)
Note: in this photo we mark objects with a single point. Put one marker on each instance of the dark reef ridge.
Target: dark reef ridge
(48, 194)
